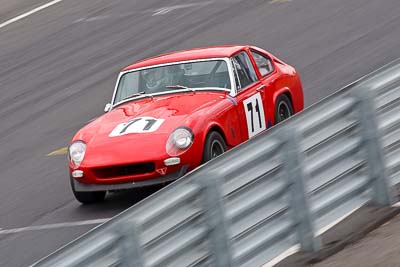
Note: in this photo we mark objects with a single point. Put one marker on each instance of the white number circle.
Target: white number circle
(137, 125)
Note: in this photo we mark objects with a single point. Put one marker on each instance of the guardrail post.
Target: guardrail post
(299, 203)
(131, 253)
(383, 195)
(217, 224)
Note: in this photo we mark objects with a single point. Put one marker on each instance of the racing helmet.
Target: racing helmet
(154, 78)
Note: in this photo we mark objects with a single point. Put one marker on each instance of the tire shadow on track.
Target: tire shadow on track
(120, 200)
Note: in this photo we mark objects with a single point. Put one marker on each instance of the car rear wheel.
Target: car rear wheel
(283, 108)
(88, 197)
(214, 146)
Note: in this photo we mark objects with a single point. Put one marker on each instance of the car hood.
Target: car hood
(106, 136)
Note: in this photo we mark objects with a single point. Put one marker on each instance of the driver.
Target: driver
(155, 79)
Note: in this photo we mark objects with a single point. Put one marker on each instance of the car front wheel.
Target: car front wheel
(214, 146)
(88, 197)
(283, 108)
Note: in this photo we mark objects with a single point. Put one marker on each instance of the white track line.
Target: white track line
(396, 205)
(332, 224)
(282, 256)
(167, 9)
(296, 248)
(29, 13)
(50, 226)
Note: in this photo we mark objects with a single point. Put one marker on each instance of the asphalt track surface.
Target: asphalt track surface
(58, 68)
(379, 248)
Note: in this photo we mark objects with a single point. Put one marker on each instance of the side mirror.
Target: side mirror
(107, 108)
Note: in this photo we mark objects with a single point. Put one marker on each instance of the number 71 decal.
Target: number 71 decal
(137, 125)
(255, 118)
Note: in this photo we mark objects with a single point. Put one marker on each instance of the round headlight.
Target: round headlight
(76, 152)
(179, 141)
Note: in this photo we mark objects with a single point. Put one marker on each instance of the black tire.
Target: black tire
(214, 146)
(283, 108)
(88, 197)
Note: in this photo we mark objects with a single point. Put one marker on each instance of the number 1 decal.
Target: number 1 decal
(137, 125)
(255, 118)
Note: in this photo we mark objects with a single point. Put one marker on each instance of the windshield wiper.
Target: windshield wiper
(178, 86)
(136, 94)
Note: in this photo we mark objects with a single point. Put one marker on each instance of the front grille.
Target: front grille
(124, 170)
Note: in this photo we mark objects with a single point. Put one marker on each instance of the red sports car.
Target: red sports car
(173, 112)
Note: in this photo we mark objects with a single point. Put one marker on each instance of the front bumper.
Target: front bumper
(83, 187)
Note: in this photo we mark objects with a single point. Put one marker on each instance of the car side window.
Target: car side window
(243, 70)
(263, 62)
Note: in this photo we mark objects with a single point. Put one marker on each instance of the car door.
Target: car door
(249, 96)
(266, 73)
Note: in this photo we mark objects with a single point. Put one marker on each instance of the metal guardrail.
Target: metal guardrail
(279, 191)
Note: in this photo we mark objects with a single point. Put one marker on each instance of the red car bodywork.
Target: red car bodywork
(137, 159)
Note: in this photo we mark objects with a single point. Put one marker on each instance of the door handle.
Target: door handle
(260, 88)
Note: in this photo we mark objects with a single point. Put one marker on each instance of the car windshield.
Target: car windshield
(188, 75)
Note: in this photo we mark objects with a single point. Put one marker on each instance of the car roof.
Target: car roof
(190, 54)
